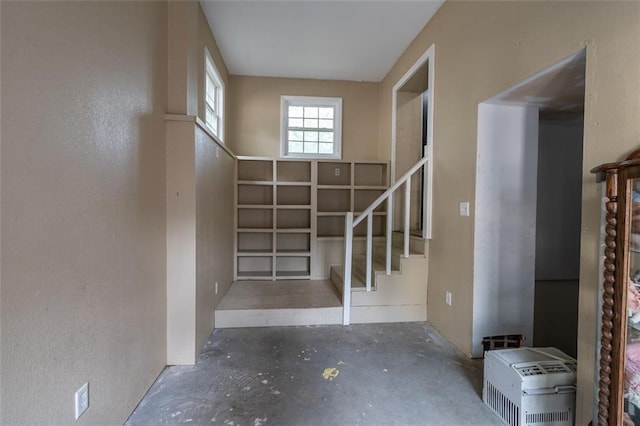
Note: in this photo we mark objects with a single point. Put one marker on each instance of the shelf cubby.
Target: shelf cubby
(377, 227)
(293, 195)
(293, 267)
(334, 200)
(334, 173)
(293, 219)
(370, 174)
(255, 218)
(260, 267)
(255, 170)
(293, 171)
(250, 243)
(255, 194)
(330, 226)
(298, 243)
(362, 198)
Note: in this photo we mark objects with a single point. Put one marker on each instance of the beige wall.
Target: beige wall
(254, 114)
(199, 192)
(83, 216)
(503, 43)
(214, 230)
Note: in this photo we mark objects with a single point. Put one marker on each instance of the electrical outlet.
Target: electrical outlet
(337, 171)
(216, 288)
(217, 152)
(447, 298)
(82, 400)
(464, 208)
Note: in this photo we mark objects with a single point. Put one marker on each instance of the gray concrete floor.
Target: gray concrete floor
(387, 374)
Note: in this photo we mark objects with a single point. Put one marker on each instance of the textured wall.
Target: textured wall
(254, 114)
(214, 230)
(83, 216)
(199, 193)
(502, 44)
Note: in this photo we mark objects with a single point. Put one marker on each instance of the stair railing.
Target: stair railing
(351, 223)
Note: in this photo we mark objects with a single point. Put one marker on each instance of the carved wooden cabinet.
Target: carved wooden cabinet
(619, 383)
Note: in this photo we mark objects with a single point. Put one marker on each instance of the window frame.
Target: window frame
(317, 101)
(211, 72)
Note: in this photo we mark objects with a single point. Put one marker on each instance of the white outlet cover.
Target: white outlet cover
(82, 400)
(337, 171)
(464, 208)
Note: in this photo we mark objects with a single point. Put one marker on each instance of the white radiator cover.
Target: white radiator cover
(530, 386)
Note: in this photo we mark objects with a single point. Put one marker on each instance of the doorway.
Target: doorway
(528, 209)
(412, 138)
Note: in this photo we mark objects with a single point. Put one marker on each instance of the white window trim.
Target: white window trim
(285, 100)
(210, 69)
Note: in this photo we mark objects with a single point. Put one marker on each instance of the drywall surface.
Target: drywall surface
(181, 241)
(83, 207)
(254, 114)
(504, 43)
(559, 200)
(505, 223)
(199, 196)
(214, 230)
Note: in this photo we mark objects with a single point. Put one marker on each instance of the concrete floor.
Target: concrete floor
(385, 374)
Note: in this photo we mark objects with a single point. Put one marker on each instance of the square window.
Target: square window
(311, 127)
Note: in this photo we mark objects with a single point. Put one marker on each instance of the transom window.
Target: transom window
(214, 97)
(311, 127)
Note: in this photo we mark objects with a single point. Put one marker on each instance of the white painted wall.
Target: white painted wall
(505, 206)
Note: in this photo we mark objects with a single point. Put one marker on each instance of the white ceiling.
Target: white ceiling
(336, 40)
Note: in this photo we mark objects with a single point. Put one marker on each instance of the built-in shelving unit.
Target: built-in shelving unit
(284, 207)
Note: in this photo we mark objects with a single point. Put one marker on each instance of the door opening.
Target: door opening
(528, 209)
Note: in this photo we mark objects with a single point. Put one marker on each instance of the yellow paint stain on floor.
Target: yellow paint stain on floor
(330, 373)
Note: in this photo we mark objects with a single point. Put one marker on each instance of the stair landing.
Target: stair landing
(279, 303)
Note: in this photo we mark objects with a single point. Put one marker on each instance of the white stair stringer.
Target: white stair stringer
(399, 297)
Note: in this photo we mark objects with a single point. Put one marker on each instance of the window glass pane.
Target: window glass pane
(311, 136)
(311, 123)
(295, 135)
(295, 122)
(295, 111)
(208, 115)
(295, 147)
(325, 148)
(310, 112)
(311, 148)
(326, 124)
(326, 136)
(325, 112)
(214, 126)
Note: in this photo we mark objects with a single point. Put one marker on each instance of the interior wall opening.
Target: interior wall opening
(411, 138)
(528, 209)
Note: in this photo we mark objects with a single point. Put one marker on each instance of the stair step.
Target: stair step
(416, 243)
(359, 266)
(337, 277)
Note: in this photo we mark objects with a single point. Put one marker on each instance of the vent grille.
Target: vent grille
(562, 416)
(502, 406)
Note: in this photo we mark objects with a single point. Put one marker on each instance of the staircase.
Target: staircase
(382, 280)
(398, 297)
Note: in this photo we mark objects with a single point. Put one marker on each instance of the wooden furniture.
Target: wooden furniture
(285, 206)
(619, 384)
